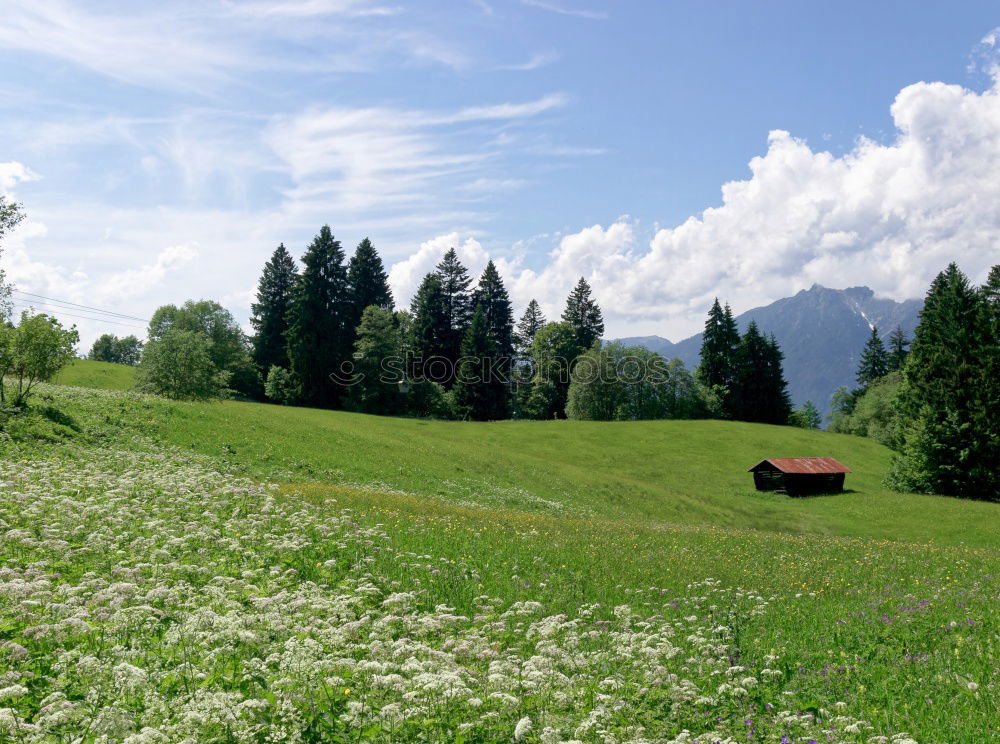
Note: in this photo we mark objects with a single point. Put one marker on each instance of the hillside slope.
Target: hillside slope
(99, 375)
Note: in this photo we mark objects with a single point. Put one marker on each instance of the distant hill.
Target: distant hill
(821, 331)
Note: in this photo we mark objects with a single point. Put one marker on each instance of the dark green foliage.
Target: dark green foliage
(874, 360)
(481, 391)
(430, 330)
(806, 417)
(492, 297)
(719, 351)
(228, 347)
(457, 299)
(583, 316)
(33, 351)
(760, 391)
(178, 364)
(269, 316)
(949, 398)
(379, 384)
(367, 282)
(318, 336)
(898, 349)
(552, 353)
(528, 326)
(110, 348)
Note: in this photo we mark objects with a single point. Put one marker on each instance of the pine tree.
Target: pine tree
(874, 360)
(719, 348)
(455, 281)
(479, 393)
(430, 329)
(584, 316)
(897, 350)
(367, 282)
(270, 313)
(317, 334)
(492, 296)
(759, 388)
(949, 408)
(528, 326)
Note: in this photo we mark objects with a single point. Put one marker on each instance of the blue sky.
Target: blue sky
(162, 150)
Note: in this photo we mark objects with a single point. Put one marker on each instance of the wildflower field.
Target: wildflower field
(155, 591)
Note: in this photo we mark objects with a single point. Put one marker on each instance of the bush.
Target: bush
(280, 385)
(178, 365)
(32, 352)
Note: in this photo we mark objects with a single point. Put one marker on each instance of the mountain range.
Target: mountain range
(821, 331)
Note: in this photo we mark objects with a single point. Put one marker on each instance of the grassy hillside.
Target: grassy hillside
(603, 581)
(682, 472)
(99, 375)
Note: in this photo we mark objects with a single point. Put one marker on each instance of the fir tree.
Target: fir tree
(430, 327)
(719, 349)
(367, 282)
(270, 312)
(948, 402)
(874, 360)
(583, 316)
(492, 297)
(898, 343)
(455, 281)
(317, 334)
(528, 326)
(760, 391)
(377, 340)
(479, 393)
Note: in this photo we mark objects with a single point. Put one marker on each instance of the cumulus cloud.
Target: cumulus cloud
(405, 276)
(12, 173)
(886, 215)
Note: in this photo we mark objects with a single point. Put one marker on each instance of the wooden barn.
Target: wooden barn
(799, 476)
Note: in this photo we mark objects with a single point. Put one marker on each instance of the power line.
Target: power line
(24, 305)
(84, 307)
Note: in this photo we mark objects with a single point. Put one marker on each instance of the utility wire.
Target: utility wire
(24, 305)
(84, 307)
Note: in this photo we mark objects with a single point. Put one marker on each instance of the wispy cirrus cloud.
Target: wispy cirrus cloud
(568, 10)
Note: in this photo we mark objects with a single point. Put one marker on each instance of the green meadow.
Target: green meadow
(867, 616)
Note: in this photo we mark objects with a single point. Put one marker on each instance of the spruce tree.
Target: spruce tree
(584, 316)
(949, 409)
(719, 348)
(318, 338)
(270, 312)
(377, 339)
(898, 343)
(430, 329)
(479, 393)
(367, 282)
(455, 281)
(528, 326)
(759, 387)
(874, 360)
(492, 297)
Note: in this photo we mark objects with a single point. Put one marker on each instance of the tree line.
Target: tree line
(935, 399)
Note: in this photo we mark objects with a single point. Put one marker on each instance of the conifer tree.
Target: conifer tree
(874, 360)
(479, 393)
(719, 349)
(377, 339)
(455, 281)
(367, 282)
(492, 297)
(584, 316)
(760, 391)
(948, 403)
(528, 326)
(896, 356)
(318, 338)
(270, 312)
(430, 327)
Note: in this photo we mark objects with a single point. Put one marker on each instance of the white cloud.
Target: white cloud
(405, 276)
(11, 173)
(538, 59)
(890, 216)
(553, 7)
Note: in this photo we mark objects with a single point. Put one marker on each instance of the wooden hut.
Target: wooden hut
(799, 476)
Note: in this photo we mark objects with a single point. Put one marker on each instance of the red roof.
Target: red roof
(812, 465)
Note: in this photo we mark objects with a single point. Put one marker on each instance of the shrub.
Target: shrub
(178, 365)
(280, 385)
